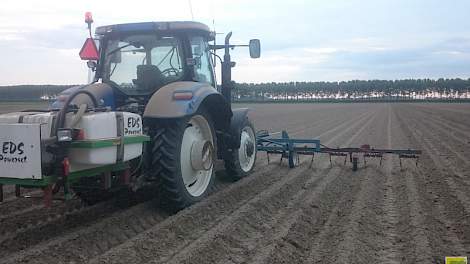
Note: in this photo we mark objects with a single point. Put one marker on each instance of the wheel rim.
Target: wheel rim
(247, 150)
(196, 181)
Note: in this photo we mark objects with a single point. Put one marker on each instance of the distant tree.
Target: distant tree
(407, 89)
(29, 92)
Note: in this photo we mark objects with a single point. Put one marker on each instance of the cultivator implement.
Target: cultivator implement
(291, 148)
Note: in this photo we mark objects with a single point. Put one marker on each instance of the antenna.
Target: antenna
(215, 32)
(213, 15)
(191, 9)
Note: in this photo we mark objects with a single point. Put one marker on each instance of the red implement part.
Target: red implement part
(126, 177)
(47, 196)
(107, 180)
(17, 191)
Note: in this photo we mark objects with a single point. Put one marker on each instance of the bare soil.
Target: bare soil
(318, 214)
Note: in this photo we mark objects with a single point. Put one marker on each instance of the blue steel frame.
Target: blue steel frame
(290, 148)
(284, 144)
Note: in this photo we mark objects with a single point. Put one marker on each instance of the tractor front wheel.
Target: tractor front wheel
(182, 158)
(240, 162)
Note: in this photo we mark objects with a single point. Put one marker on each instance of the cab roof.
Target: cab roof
(170, 26)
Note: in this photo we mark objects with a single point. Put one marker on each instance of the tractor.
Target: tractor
(153, 115)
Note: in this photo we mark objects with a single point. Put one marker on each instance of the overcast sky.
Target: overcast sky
(315, 40)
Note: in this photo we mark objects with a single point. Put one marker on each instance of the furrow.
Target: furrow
(390, 251)
(95, 239)
(444, 167)
(446, 218)
(132, 251)
(279, 251)
(282, 218)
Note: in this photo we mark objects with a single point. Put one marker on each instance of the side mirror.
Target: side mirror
(255, 48)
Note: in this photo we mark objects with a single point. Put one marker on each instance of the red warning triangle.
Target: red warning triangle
(89, 50)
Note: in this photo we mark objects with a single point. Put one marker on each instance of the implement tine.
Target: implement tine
(47, 199)
(17, 191)
(311, 161)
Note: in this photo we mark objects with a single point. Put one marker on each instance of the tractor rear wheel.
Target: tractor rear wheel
(182, 159)
(241, 161)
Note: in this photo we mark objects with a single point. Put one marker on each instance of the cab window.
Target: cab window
(143, 62)
(202, 64)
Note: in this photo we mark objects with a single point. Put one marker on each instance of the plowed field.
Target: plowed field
(324, 213)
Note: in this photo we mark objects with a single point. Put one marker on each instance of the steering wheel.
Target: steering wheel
(170, 72)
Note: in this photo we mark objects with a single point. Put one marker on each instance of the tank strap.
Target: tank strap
(120, 134)
(53, 125)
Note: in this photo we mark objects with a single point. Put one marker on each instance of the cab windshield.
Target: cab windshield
(143, 63)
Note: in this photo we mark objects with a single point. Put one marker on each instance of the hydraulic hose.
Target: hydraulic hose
(60, 122)
(78, 116)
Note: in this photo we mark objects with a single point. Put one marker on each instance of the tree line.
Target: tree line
(30, 92)
(411, 89)
(356, 90)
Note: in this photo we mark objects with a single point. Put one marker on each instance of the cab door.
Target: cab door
(202, 63)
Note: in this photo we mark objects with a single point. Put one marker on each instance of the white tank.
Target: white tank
(109, 137)
(100, 129)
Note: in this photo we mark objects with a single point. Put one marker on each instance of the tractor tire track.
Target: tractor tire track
(390, 249)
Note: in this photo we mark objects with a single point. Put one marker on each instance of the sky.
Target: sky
(315, 40)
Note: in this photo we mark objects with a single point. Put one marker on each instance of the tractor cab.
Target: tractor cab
(139, 58)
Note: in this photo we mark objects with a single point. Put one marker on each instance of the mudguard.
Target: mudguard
(236, 126)
(103, 93)
(163, 103)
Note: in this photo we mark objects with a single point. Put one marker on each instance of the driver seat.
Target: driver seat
(149, 77)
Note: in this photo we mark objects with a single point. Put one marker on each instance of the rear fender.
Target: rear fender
(103, 93)
(162, 104)
(236, 126)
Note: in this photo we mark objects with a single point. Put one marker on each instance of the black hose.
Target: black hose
(60, 121)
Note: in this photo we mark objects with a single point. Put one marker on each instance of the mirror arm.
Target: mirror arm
(218, 47)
